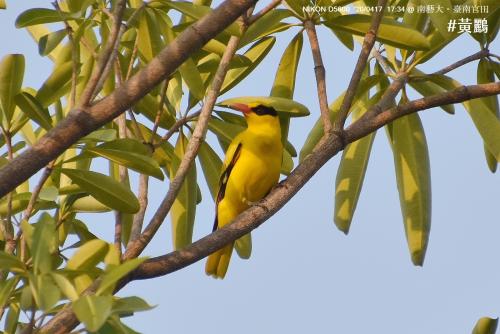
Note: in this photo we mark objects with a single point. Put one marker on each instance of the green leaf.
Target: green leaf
(280, 104)
(44, 291)
(411, 159)
(183, 210)
(439, 19)
(211, 165)
(485, 325)
(36, 16)
(44, 244)
(390, 31)
(351, 172)
(191, 76)
(485, 74)
(105, 189)
(110, 277)
(149, 38)
(12, 318)
(11, 80)
(243, 246)
(65, 286)
(223, 130)
(56, 84)
(138, 162)
(265, 25)
(89, 204)
(6, 289)
(284, 80)
(88, 255)
(49, 42)
(148, 106)
(93, 311)
(11, 263)
(197, 12)
(256, 53)
(34, 110)
(130, 305)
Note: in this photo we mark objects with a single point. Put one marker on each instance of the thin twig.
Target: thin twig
(6, 224)
(138, 221)
(264, 11)
(36, 191)
(163, 96)
(476, 56)
(368, 43)
(319, 71)
(175, 127)
(382, 61)
(136, 247)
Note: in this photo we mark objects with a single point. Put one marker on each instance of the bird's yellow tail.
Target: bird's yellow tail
(218, 262)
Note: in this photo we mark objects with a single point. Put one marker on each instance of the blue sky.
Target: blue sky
(305, 275)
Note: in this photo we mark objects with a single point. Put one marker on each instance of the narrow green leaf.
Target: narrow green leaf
(191, 76)
(485, 325)
(485, 74)
(266, 25)
(427, 88)
(34, 110)
(44, 244)
(45, 292)
(128, 305)
(411, 159)
(284, 80)
(93, 311)
(6, 288)
(183, 210)
(34, 16)
(138, 162)
(148, 106)
(12, 318)
(282, 105)
(256, 53)
(88, 255)
(223, 130)
(390, 31)
(88, 204)
(149, 37)
(439, 19)
(11, 263)
(105, 189)
(49, 42)
(243, 246)
(109, 278)
(56, 84)
(211, 166)
(11, 80)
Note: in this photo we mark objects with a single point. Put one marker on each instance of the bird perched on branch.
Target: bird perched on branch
(251, 168)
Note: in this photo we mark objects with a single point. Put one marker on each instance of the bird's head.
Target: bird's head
(255, 111)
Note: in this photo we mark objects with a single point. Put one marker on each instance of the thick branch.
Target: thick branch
(368, 43)
(319, 71)
(82, 121)
(326, 149)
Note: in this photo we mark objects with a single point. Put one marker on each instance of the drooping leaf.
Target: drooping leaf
(93, 311)
(428, 88)
(65, 286)
(34, 110)
(6, 289)
(485, 325)
(211, 166)
(44, 244)
(149, 40)
(130, 305)
(411, 159)
(265, 25)
(110, 277)
(105, 189)
(191, 76)
(390, 31)
(12, 318)
(88, 255)
(183, 210)
(11, 80)
(45, 292)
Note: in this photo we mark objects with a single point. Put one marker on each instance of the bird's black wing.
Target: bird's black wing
(223, 182)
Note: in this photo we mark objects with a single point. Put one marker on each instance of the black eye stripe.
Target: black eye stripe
(263, 110)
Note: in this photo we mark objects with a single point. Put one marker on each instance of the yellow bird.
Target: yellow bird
(251, 168)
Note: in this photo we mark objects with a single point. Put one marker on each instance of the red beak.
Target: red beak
(241, 107)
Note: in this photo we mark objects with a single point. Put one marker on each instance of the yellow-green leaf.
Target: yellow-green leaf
(211, 166)
(6, 289)
(184, 208)
(56, 84)
(34, 110)
(266, 25)
(34, 16)
(93, 311)
(427, 88)
(88, 255)
(105, 189)
(149, 38)
(44, 243)
(281, 105)
(49, 42)
(113, 275)
(485, 325)
(11, 80)
(390, 31)
(192, 78)
(243, 246)
(411, 159)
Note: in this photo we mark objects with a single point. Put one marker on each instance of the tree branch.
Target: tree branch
(476, 56)
(83, 121)
(319, 71)
(328, 147)
(368, 43)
